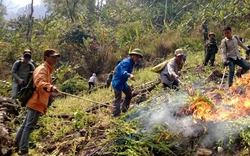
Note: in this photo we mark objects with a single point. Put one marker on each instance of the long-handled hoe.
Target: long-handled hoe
(105, 104)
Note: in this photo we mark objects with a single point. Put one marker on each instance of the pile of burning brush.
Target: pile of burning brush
(235, 103)
(216, 122)
(201, 123)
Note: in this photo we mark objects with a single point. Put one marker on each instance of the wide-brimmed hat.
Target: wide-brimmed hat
(136, 51)
(179, 52)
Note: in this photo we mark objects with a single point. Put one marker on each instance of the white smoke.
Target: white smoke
(163, 112)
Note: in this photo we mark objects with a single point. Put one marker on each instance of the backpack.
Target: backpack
(26, 92)
(20, 63)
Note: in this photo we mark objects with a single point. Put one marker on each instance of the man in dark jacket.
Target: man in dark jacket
(212, 49)
(20, 70)
(123, 71)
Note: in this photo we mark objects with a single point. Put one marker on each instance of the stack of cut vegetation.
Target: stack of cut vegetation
(6, 142)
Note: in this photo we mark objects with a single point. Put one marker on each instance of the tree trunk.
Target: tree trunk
(166, 8)
(30, 23)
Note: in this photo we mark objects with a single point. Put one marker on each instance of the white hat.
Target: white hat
(179, 52)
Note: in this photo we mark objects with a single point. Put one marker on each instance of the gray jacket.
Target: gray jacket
(168, 73)
(21, 70)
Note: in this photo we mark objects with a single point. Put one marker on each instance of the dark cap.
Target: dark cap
(51, 52)
(27, 56)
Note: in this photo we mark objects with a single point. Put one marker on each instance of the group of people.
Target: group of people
(38, 103)
(230, 53)
(170, 75)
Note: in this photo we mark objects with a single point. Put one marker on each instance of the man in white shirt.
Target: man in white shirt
(231, 55)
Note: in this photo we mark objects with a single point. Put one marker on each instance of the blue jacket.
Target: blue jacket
(122, 72)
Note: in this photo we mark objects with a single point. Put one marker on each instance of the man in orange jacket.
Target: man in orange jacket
(38, 102)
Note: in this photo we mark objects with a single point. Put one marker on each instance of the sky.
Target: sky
(13, 7)
(12, 4)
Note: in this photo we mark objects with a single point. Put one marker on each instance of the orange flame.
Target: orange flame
(236, 103)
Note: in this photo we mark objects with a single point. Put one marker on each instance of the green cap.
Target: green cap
(136, 51)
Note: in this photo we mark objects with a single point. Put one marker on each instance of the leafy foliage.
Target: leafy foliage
(117, 26)
(74, 85)
(5, 88)
(75, 35)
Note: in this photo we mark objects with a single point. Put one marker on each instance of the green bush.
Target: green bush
(74, 85)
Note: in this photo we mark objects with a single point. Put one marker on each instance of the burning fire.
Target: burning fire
(235, 103)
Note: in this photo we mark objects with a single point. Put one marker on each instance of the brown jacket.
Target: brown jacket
(42, 82)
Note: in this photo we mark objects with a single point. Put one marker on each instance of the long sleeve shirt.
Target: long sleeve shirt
(230, 49)
(171, 70)
(21, 70)
(42, 81)
(92, 79)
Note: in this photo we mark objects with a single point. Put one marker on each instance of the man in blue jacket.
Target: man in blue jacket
(123, 71)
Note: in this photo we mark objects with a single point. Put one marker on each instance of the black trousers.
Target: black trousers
(108, 83)
(118, 99)
(210, 56)
(91, 85)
